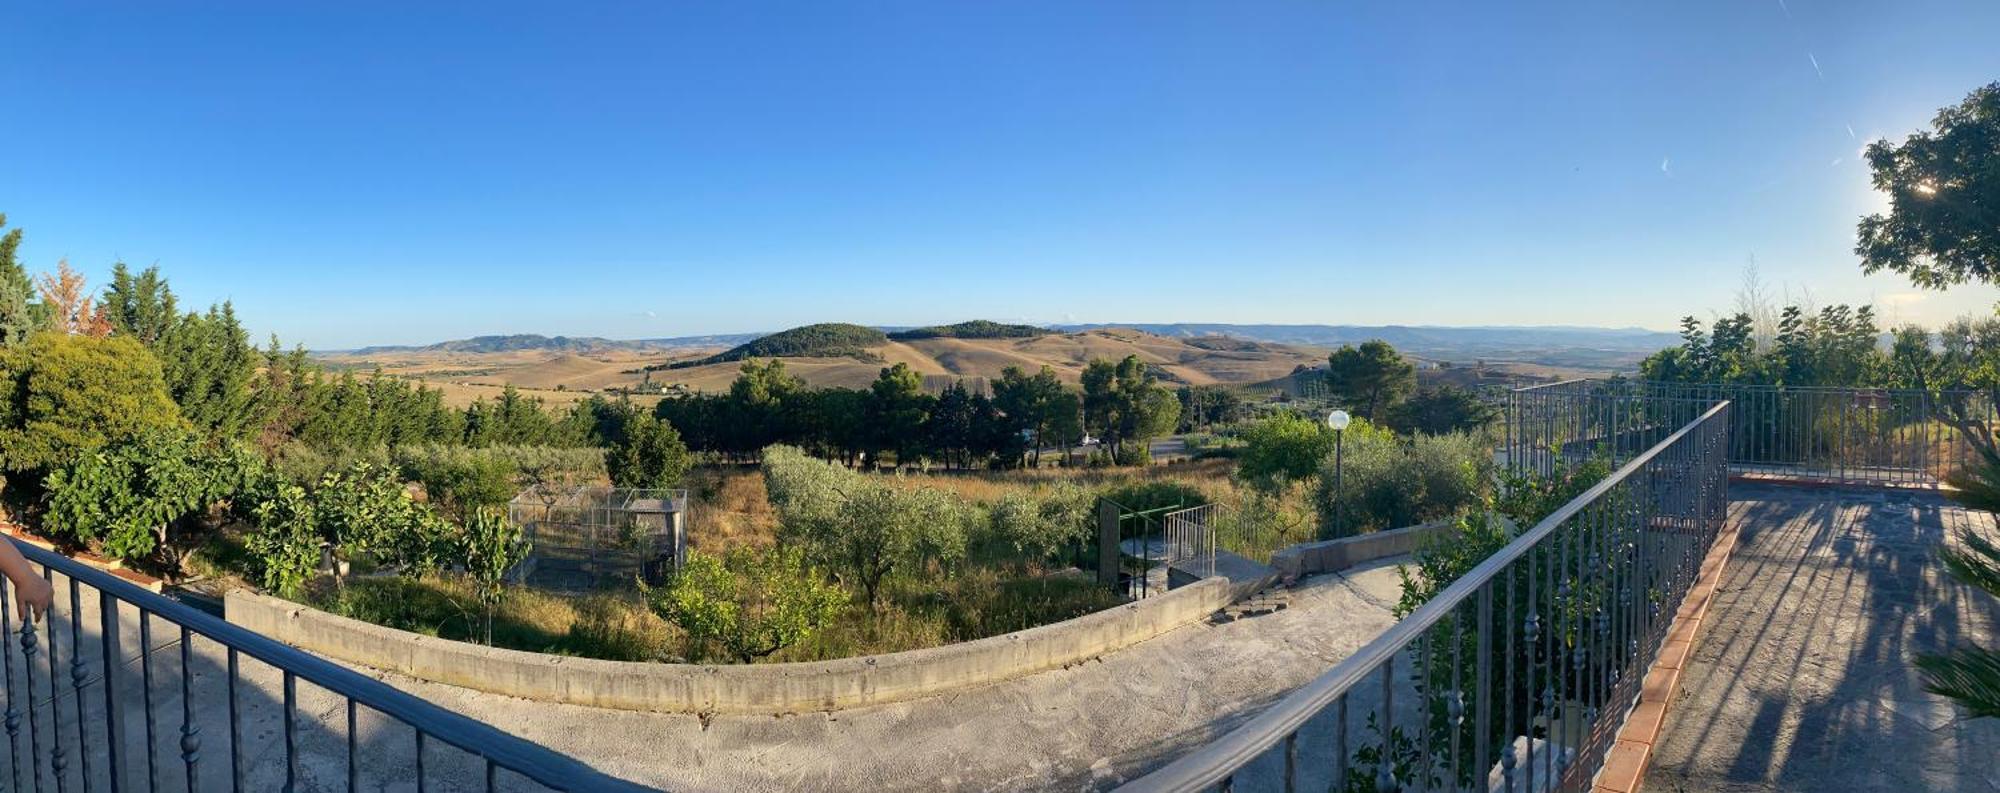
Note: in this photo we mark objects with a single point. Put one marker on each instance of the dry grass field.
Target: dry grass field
(565, 377)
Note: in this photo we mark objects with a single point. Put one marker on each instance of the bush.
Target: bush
(1282, 449)
(63, 396)
(749, 604)
(1045, 522)
(362, 510)
(859, 528)
(142, 496)
(1388, 484)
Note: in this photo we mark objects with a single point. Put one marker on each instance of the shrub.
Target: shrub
(64, 396)
(861, 529)
(1044, 522)
(1282, 449)
(749, 604)
(362, 510)
(142, 496)
(1387, 484)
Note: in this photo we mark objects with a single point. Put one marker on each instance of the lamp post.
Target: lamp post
(1338, 421)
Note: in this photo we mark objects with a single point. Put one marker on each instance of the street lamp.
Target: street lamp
(1338, 421)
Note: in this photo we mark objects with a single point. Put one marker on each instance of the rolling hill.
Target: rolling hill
(561, 368)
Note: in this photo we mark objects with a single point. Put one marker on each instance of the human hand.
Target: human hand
(34, 595)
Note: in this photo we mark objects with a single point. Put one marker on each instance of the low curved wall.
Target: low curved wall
(748, 688)
(1313, 558)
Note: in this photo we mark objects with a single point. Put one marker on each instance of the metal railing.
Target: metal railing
(127, 690)
(1518, 674)
(1860, 435)
(1190, 540)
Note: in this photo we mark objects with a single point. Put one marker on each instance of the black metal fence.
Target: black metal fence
(121, 689)
(1516, 676)
(1853, 435)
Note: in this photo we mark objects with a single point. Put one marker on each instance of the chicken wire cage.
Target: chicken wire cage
(592, 538)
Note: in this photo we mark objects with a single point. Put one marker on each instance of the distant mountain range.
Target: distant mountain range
(567, 344)
(1555, 345)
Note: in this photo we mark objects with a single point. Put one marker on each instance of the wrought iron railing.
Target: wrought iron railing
(122, 689)
(1861, 435)
(1518, 674)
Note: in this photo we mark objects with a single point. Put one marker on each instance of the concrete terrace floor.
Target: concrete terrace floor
(1087, 727)
(1803, 677)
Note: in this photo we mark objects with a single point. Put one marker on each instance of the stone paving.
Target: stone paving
(1803, 677)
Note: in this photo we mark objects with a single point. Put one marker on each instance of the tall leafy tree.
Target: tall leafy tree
(20, 314)
(897, 407)
(1125, 404)
(1943, 184)
(1370, 378)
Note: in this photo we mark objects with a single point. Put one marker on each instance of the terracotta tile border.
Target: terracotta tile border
(112, 566)
(1626, 761)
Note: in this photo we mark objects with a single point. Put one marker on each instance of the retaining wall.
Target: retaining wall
(1313, 558)
(735, 688)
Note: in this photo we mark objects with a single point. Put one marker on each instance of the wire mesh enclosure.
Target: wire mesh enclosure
(600, 537)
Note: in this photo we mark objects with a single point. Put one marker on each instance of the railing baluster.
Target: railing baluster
(28, 682)
(190, 732)
(235, 729)
(114, 671)
(58, 754)
(291, 733)
(13, 716)
(146, 697)
(79, 676)
(353, 761)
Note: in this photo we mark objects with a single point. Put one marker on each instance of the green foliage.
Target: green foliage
(363, 510)
(1440, 410)
(1126, 406)
(643, 451)
(1044, 523)
(975, 329)
(459, 480)
(1836, 347)
(1970, 675)
(749, 604)
(1204, 406)
(515, 420)
(823, 340)
(859, 528)
(1384, 483)
(20, 314)
(207, 357)
(1282, 449)
(1370, 379)
(62, 397)
(143, 496)
(1943, 186)
(490, 546)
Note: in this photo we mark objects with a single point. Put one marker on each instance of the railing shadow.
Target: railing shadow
(179, 711)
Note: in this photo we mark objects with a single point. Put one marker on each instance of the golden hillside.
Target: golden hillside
(566, 376)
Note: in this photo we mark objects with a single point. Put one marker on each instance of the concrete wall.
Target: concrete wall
(1313, 558)
(754, 688)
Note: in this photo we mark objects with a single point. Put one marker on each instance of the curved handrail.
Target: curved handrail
(1217, 760)
(521, 756)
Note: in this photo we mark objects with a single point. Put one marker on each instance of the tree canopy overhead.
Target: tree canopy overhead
(1943, 226)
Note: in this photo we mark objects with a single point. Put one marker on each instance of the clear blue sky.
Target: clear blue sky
(353, 173)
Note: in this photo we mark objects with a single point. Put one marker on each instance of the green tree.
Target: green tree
(20, 314)
(1038, 405)
(1370, 379)
(1943, 226)
(1125, 404)
(648, 454)
(145, 497)
(897, 407)
(1045, 522)
(1283, 449)
(490, 546)
(1443, 409)
(207, 358)
(749, 604)
(62, 397)
(879, 530)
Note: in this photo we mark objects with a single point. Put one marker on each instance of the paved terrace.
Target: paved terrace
(1803, 677)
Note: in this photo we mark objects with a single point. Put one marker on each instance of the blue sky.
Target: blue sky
(354, 173)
